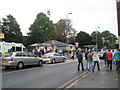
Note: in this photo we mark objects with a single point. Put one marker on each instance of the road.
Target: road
(47, 76)
(60, 75)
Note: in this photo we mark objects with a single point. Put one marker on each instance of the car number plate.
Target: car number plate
(44, 57)
(4, 60)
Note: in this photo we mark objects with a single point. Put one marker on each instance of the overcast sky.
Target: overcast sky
(86, 15)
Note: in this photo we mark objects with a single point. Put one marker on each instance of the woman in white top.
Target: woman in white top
(96, 60)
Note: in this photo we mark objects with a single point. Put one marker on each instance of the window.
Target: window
(56, 54)
(18, 54)
(31, 55)
(25, 54)
(7, 55)
(13, 48)
(18, 49)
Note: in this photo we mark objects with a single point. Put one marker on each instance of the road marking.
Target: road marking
(72, 80)
(69, 86)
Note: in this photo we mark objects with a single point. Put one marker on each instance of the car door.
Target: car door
(57, 57)
(33, 58)
(26, 58)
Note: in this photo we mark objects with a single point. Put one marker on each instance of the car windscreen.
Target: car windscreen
(7, 55)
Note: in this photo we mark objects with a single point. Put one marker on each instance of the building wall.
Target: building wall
(118, 15)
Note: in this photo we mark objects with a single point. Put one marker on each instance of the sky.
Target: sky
(86, 15)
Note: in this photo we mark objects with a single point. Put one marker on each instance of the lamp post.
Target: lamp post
(96, 38)
(67, 23)
(103, 40)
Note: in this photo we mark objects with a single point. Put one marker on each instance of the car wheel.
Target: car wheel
(40, 63)
(20, 65)
(64, 60)
(53, 61)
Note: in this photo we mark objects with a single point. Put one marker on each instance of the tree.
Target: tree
(104, 39)
(109, 39)
(83, 38)
(11, 29)
(64, 29)
(41, 30)
(99, 38)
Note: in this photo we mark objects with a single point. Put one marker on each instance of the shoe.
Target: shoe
(82, 69)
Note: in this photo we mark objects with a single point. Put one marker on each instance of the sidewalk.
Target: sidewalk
(99, 79)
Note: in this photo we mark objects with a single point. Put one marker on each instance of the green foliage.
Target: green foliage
(41, 30)
(83, 38)
(11, 30)
(104, 39)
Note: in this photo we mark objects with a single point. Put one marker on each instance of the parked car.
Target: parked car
(20, 59)
(53, 57)
(100, 54)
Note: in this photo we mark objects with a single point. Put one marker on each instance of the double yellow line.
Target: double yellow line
(73, 81)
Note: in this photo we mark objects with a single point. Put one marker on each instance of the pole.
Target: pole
(96, 39)
(67, 24)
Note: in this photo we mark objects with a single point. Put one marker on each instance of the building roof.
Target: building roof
(56, 43)
(51, 43)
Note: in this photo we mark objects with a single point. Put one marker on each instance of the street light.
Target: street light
(96, 38)
(67, 23)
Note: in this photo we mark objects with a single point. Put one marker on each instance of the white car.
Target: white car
(20, 59)
(53, 58)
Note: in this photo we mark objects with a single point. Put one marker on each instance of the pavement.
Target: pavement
(99, 79)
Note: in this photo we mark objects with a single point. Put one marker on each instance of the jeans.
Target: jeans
(105, 61)
(117, 65)
(80, 61)
(89, 64)
(96, 62)
(109, 63)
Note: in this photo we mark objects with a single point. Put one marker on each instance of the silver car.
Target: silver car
(53, 58)
(20, 59)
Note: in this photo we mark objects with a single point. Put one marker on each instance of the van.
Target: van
(11, 47)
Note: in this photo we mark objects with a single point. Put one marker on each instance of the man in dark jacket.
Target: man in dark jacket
(80, 60)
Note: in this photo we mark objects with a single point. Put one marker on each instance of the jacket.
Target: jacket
(89, 57)
(96, 58)
(79, 56)
(109, 55)
(116, 56)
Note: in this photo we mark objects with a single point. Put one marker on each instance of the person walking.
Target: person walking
(105, 57)
(80, 60)
(109, 55)
(116, 57)
(86, 63)
(96, 60)
(89, 60)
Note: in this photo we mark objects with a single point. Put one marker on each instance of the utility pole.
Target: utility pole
(96, 39)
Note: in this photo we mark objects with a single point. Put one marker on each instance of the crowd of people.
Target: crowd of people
(92, 59)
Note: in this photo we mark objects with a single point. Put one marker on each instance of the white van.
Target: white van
(6, 47)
